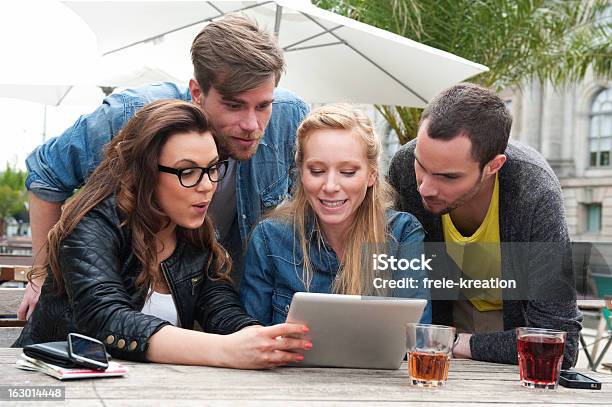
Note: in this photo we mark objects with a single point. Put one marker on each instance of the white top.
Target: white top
(161, 306)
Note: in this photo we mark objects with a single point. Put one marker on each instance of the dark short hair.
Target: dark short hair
(470, 110)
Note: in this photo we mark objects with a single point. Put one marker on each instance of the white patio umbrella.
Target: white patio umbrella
(46, 48)
(136, 77)
(50, 56)
(330, 58)
(91, 93)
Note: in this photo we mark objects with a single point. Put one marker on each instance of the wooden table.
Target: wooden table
(470, 383)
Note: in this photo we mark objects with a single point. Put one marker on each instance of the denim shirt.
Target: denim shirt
(273, 267)
(62, 164)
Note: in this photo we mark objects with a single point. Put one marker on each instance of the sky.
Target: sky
(23, 127)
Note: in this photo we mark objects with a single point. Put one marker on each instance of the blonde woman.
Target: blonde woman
(323, 238)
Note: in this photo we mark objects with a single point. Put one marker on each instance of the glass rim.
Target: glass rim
(539, 330)
(420, 325)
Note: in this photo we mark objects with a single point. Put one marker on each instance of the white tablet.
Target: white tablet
(355, 331)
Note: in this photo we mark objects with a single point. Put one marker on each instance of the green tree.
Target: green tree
(13, 178)
(549, 40)
(13, 195)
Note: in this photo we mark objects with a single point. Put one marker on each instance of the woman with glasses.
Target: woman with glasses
(324, 238)
(134, 262)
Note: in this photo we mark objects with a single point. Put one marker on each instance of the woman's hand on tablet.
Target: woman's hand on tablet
(258, 347)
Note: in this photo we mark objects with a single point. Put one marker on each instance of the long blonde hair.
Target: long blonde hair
(369, 229)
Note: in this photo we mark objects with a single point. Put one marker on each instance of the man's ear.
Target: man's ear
(496, 164)
(197, 96)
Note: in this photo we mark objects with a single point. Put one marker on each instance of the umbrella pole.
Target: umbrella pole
(44, 130)
(277, 21)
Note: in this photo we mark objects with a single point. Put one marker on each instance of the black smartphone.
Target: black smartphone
(575, 380)
(87, 351)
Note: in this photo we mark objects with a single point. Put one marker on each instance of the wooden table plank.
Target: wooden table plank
(16, 259)
(17, 273)
(470, 383)
(10, 298)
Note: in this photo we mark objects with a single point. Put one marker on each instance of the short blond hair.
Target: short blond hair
(234, 55)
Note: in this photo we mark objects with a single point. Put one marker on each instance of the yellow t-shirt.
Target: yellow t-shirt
(479, 255)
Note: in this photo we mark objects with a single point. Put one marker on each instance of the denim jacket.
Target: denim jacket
(62, 164)
(273, 267)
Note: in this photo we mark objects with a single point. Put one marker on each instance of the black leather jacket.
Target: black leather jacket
(102, 301)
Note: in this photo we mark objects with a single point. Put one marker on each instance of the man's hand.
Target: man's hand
(43, 216)
(462, 349)
(30, 298)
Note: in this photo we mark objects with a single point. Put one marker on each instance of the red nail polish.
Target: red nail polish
(299, 358)
(308, 345)
(305, 329)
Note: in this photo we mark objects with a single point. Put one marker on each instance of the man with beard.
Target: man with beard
(475, 191)
(237, 67)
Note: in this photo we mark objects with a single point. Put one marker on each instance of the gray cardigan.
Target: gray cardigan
(531, 210)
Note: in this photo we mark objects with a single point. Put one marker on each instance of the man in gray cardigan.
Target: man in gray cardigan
(466, 184)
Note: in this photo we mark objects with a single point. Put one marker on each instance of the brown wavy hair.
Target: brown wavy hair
(235, 55)
(129, 172)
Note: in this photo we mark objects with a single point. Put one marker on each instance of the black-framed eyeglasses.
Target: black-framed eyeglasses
(192, 176)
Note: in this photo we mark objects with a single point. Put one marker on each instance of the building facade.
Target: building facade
(572, 128)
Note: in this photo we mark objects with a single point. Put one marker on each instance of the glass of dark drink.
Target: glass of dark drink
(540, 354)
(429, 352)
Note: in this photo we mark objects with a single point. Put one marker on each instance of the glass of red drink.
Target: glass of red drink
(429, 352)
(540, 354)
